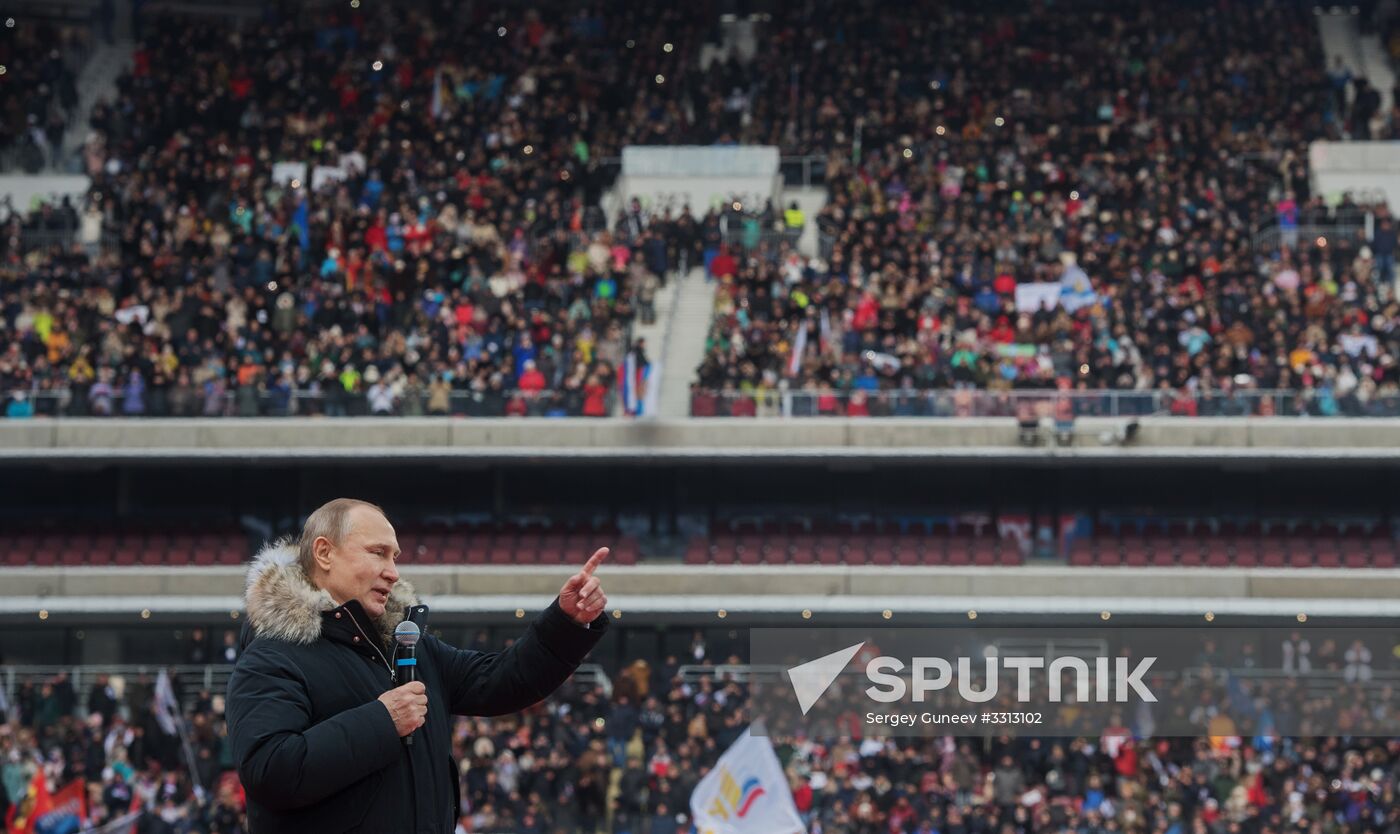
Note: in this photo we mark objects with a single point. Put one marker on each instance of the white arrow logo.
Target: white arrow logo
(813, 678)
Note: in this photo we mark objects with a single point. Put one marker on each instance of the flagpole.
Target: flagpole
(166, 700)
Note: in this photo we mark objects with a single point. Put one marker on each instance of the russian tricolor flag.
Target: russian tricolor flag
(632, 381)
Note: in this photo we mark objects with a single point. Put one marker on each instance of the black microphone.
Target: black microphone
(405, 663)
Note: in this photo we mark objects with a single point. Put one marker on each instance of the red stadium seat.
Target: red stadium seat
(1136, 553)
(984, 553)
(697, 552)
(1081, 552)
(749, 552)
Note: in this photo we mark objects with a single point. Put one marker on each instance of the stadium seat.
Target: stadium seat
(1081, 552)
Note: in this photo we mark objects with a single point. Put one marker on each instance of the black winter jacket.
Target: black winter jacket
(318, 753)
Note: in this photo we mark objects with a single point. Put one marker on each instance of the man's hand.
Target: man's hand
(582, 597)
(407, 705)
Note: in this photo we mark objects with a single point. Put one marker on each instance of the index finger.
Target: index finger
(594, 561)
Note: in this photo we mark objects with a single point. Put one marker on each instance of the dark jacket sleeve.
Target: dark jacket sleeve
(496, 683)
(284, 761)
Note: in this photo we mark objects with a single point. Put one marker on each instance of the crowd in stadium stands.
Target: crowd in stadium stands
(1090, 222)
(1050, 200)
(586, 761)
(40, 93)
(433, 250)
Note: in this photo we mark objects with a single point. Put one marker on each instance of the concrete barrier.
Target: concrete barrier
(488, 439)
(1123, 589)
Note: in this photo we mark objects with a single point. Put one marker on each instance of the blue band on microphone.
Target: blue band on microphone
(406, 661)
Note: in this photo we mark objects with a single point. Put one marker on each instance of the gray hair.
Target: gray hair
(330, 520)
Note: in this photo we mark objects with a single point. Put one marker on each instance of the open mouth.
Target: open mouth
(380, 594)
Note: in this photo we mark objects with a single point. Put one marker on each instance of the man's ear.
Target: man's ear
(321, 552)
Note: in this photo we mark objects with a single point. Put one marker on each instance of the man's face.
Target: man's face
(362, 566)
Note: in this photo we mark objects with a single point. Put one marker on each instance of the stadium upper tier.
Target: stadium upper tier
(1111, 198)
(339, 210)
(952, 541)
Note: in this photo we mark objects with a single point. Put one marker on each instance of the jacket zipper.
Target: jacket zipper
(390, 667)
(375, 646)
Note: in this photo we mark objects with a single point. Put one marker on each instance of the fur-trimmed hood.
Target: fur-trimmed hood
(283, 604)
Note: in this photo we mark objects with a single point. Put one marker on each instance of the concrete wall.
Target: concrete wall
(988, 438)
(668, 587)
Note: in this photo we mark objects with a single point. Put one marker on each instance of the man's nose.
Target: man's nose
(391, 573)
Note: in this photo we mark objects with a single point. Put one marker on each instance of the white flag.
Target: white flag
(799, 347)
(167, 708)
(746, 793)
(435, 106)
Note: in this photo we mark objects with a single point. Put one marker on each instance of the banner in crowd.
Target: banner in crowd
(67, 812)
(36, 800)
(284, 172)
(746, 793)
(40, 812)
(1356, 344)
(1076, 290)
(1031, 297)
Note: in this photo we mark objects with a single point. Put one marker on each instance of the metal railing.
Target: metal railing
(1337, 225)
(1309, 236)
(188, 680)
(1318, 682)
(1035, 404)
(64, 402)
(772, 245)
(31, 239)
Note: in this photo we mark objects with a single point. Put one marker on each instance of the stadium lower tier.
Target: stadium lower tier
(992, 550)
(1008, 547)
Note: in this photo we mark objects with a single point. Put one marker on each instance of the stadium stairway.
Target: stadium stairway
(1340, 40)
(97, 81)
(655, 333)
(1375, 65)
(1364, 55)
(811, 200)
(683, 347)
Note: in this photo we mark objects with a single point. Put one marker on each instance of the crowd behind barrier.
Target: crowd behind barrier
(625, 758)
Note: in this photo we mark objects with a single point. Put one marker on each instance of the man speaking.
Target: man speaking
(316, 723)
